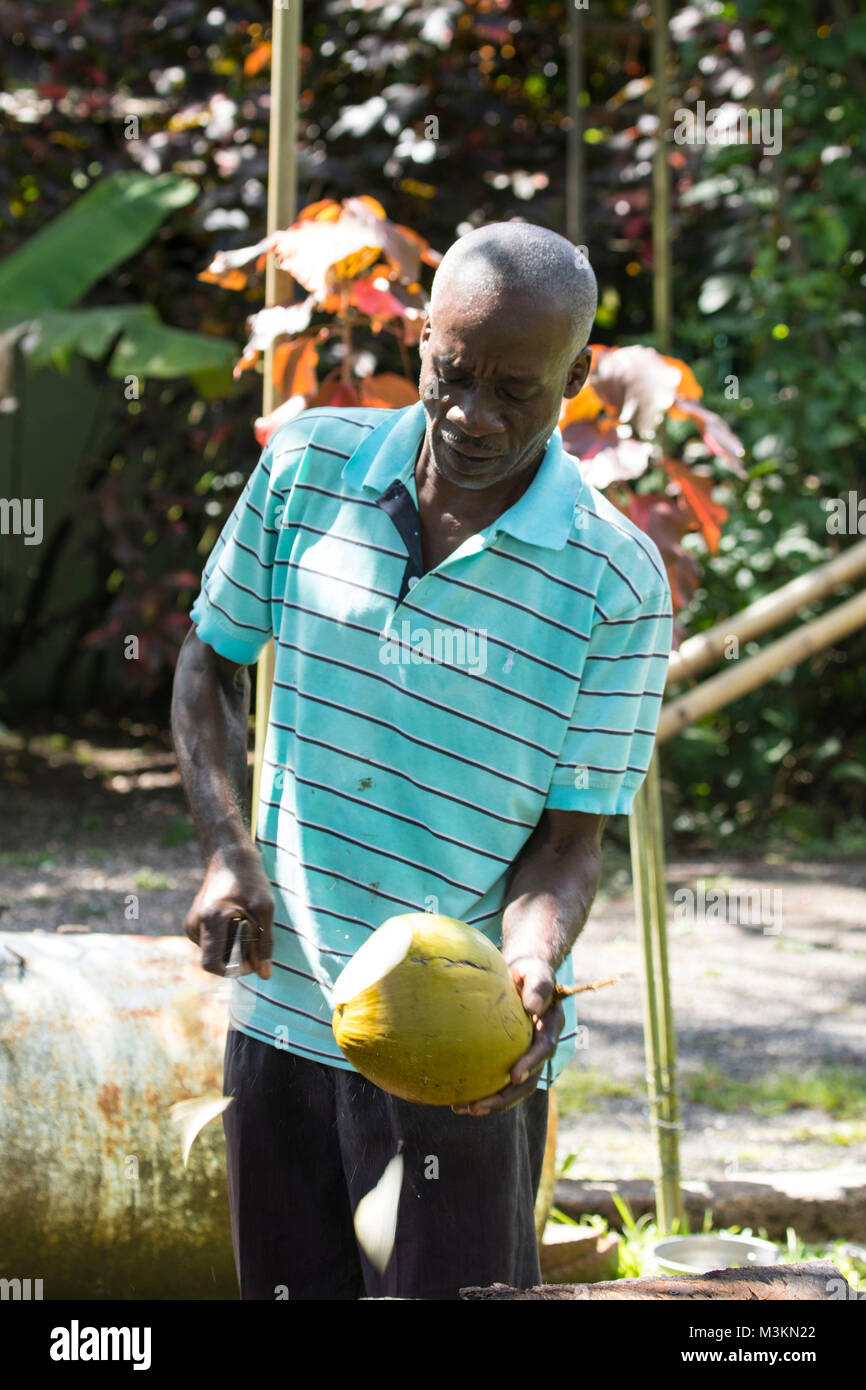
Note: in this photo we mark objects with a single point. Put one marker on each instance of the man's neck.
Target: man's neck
(472, 508)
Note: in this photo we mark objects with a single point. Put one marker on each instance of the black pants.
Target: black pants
(305, 1142)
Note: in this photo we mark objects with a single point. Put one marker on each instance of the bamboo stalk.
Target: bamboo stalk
(748, 675)
(646, 834)
(698, 653)
(661, 176)
(282, 196)
(646, 825)
(574, 173)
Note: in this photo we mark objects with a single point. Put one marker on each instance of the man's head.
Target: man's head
(511, 311)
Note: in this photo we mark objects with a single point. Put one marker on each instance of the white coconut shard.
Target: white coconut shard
(376, 1216)
(191, 1116)
(378, 956)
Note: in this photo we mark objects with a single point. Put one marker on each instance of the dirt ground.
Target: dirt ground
(91, 814)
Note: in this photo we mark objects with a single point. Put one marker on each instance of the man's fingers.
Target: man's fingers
(547, 1031)
(218, 930)
(503, 1100)
(191, 926)
(257, 952)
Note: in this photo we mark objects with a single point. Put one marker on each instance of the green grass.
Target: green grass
(178, 831)
(146, 878)
(579, 1089)
(639, 1234)
(35, 859)
(842, 1137)
(838, 1090)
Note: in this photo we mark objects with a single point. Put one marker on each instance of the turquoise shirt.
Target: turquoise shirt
(421, 723)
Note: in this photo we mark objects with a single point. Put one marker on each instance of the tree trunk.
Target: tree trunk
(817, 1280)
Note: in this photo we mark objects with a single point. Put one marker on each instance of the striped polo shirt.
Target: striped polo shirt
(421, 723)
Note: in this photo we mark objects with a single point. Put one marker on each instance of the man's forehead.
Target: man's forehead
(507, 332)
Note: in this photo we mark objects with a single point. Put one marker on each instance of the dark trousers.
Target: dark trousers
(305, 1142)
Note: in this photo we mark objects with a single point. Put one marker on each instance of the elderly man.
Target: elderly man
(471, 646)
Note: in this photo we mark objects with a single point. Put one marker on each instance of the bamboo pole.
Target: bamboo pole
(575, 167)
(662, 292)
(698, 653)
(646, 833)
(748, 675)
(282, 195)
(646, 824)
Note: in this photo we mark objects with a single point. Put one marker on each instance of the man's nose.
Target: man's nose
(476, 414)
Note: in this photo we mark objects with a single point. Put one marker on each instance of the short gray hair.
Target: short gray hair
(521, 255)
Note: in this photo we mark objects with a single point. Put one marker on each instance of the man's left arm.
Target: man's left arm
(550, 893)
(602, 763)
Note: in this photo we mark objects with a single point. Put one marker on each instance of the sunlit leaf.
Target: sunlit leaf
(638, 384)
(294, 368)
(697, 491)
(615, 462)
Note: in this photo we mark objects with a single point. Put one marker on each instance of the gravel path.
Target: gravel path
(93, 827)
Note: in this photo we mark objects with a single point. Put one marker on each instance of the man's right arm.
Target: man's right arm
(209, 720)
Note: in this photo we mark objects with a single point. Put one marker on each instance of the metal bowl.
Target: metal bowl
(700, 1254)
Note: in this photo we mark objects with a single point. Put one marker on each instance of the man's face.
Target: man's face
(493, 375)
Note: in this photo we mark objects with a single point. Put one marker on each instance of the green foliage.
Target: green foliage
(104, 227)
(839, 1090)
(639, 1235)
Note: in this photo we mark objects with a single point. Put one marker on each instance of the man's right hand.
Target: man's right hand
(234, 886)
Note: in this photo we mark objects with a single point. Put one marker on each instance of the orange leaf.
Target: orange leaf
(326, 210)
(229, 279)
(258, 59)
(388, 390)
(586, 405)
(374, 205)
(294, 368)
(248, 360)
(688, 386)
(697, 491)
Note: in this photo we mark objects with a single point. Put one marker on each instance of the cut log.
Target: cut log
(817, 1280)
(576, 1254)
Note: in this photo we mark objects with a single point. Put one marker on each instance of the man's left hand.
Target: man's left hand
(536, 984)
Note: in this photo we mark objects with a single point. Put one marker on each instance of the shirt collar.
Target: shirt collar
(543, 516)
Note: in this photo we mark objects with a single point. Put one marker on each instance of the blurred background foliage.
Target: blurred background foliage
(139, 467)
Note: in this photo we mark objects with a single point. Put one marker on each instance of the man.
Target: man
(471, 647)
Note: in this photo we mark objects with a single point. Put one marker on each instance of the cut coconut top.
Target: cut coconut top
(378, 956)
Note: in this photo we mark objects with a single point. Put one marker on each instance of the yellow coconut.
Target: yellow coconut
(427, 1009)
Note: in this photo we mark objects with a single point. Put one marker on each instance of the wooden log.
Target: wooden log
(577, 1254)
(814, 1281)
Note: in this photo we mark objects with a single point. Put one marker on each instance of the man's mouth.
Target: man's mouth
(472, 456)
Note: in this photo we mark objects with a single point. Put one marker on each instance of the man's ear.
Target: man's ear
(578, 372)
(426, 330)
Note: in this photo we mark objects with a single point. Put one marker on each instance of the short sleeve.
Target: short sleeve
(233, 610)
(610, 737)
